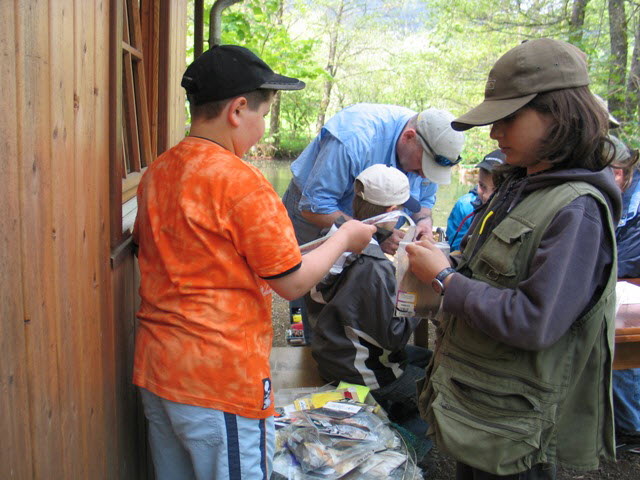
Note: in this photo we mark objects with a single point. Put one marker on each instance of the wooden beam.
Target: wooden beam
(115, 122)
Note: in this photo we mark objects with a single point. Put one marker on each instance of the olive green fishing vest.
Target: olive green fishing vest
(502, 409)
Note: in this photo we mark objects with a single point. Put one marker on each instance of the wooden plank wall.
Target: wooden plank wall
(55, 109)
(67, 408)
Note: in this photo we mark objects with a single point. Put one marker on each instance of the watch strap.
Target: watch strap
(445, 273)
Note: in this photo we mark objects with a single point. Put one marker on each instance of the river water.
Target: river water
(279, 174)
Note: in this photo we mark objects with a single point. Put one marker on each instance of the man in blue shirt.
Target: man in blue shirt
(423, 146)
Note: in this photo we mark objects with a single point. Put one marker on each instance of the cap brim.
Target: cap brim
(613, 122)
(490, 111)
(434, 172)
(488, 164)
(412, 205)
(280, 82)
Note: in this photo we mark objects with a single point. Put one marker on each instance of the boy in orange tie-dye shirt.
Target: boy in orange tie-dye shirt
(214, 241)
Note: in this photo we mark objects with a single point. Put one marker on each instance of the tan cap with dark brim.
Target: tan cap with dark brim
(533, 67)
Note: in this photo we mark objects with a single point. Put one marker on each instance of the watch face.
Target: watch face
(437, 286)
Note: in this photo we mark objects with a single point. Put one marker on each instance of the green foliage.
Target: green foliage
(416, 53)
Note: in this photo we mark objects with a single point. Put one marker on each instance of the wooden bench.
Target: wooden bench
(627, 347)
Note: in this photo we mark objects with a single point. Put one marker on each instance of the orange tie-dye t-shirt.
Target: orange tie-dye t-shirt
(210, 228)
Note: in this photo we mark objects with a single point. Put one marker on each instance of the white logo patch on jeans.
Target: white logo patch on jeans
(266, 393)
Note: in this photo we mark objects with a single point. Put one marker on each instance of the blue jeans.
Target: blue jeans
(190, 442)
(626, 401)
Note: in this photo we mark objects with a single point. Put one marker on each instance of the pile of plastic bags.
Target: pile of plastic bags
(332, 435)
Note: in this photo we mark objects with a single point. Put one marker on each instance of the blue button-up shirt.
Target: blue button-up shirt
(354, 139)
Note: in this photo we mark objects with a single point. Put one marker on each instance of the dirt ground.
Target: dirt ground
(442, 466)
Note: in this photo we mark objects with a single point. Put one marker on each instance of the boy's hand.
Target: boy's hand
(357, 235)
(426, 260)
(391, 244)
(423, 231)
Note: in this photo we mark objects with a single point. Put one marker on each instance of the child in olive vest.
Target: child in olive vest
(521, 376)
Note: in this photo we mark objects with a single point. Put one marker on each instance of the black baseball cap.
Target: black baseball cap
(492, 160)
(225, 71)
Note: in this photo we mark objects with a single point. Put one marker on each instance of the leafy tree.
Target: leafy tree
(423, 53)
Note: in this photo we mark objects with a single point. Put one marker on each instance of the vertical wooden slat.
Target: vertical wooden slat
(123, 459)
(62, 139)
(164, 88)
(132, 456)
(32, 33)
(15, 446)
(115, 122)
(87, 166)
(150, 20)
(98, 280)
(82, 232)
(140, 84)
(105, 465)
(131, 115)
(171, 97)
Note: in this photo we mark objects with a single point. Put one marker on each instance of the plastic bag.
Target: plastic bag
(414, 298)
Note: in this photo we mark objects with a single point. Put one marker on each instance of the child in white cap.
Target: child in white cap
(356, 336)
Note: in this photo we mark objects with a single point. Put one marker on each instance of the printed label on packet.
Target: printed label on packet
(343, 407)
(406, 302)
(409, 297)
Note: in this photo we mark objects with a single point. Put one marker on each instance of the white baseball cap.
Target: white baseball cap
(387, 186)
(613, 121)
(441, 143)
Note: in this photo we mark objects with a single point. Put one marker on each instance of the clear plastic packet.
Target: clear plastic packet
(325, 454)
(414, 298)
(376, 220)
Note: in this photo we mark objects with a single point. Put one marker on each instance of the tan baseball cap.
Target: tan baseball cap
(533, 67)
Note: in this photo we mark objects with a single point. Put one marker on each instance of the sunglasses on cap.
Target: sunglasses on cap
(439, 159)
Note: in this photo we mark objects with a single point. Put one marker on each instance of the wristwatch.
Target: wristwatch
(438, 283)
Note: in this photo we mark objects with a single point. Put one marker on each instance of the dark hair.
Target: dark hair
(579, 131)
(363, 209)
(209, 110)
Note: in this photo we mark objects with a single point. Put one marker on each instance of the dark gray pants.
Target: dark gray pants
(541, 471)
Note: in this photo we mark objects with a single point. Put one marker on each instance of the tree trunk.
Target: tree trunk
(274, 122)
(576, 22)
(331, 69)
(618, 68)
(632, 104)
(198, 28)
(215, 20)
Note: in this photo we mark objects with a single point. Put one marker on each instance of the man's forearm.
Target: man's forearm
(323, 220)
(423, 220)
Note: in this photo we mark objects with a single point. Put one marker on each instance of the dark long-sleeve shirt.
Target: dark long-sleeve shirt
(568, 269)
